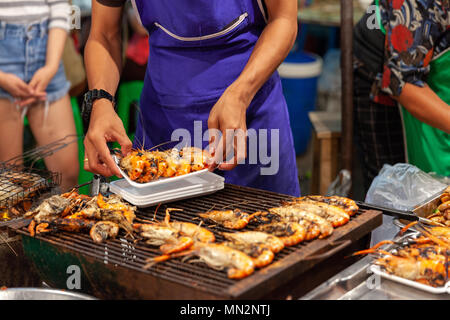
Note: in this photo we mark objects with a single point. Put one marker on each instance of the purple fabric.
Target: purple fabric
(184, 80)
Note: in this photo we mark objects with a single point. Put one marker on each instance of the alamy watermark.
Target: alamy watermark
(372, 21)
(74, 279)
(74, 17)
(374, 280)
(260, 146)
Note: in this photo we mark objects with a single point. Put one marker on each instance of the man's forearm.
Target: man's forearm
(426, 106)
(103, 60)
(271, 49)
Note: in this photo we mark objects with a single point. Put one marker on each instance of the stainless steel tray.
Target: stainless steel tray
(359, 282)
(423, 209)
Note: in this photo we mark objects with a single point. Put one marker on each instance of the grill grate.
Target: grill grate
(195, 276)
(20, 184)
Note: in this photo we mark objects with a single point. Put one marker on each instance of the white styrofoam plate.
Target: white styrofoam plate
(159, 180)
(194, 185)
(164, 198)
(439, 290)
(124, 188)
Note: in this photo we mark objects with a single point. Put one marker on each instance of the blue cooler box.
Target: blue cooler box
(299, 74)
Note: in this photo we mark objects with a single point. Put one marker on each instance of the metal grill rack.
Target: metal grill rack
(179, 279)
(19, 185)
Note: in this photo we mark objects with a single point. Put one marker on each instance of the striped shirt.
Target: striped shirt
(31, 11)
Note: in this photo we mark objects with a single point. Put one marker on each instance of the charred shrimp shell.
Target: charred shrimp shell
(103, 230)
(231, 219)
(290, 233)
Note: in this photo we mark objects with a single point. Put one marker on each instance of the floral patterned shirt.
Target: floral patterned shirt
(417, 31)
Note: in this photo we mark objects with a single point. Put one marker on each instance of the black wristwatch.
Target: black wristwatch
(88, 101)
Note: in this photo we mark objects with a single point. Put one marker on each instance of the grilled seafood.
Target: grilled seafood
(188, 229)
(293, 213)
(414, 267)
(144, 166)
(167, 238)
(261, 255)
(49, 209)
(335, 215)
(290, 233)
(217, 256)
(442, 213)
(348, 205)
(231, 219)
(255, 237)
(264, 217)
(423, 259)
(115, 203)
(103, 230)
(63, 224)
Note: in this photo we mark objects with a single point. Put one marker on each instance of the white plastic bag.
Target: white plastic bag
(402, 187)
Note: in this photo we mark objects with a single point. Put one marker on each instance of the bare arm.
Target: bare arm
(55, 47)
(103, 52)
(103, 61)
(426, 106)
(270, 50)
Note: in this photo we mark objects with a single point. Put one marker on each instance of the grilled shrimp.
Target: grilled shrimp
(335, 215)
(264, 217)
(217, 256)
(294, 213)
(261, 254)
(188, 229)
(103, 230)
(49, 209)
(231, 219)
(256, 237)
(115, 203)
(60, 224)
(196, 157)
(290, 233)
(167, 238)
(133, 164)
(428, 271)
(348, 205)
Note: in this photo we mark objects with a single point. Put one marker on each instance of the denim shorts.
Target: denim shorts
(23, 51)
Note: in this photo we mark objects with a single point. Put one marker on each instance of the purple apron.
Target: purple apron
(196, 52)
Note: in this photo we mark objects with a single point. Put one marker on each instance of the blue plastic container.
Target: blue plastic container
(299, 74)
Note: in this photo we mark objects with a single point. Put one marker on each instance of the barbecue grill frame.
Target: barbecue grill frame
(33, 191)
(121, 280)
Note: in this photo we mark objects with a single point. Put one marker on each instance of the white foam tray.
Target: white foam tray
(159, 180)
(193, 186)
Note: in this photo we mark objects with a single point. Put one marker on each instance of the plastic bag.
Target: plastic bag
(341, 185)
(402, 187)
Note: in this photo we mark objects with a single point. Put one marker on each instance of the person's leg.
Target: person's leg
(58, 124)
(11, 130)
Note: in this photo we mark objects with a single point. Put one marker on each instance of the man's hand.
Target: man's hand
(105, 126)
(229, 117)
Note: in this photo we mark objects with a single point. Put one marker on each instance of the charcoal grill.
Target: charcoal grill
(114, 269)
(22, 180)
(19, 185)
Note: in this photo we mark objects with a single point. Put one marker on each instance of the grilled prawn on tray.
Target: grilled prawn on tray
(145, 166)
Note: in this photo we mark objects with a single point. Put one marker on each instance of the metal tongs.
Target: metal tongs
(401, 214)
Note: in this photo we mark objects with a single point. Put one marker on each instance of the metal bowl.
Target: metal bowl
(41, 294)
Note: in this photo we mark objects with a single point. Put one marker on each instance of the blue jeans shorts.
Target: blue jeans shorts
(23, 51)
